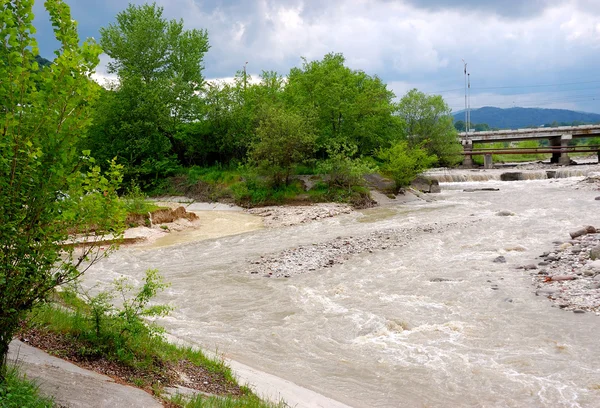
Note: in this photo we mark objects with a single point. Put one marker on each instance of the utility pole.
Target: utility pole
(466, 111)
(469, 104)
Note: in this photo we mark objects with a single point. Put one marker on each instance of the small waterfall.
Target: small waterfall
(461, 176)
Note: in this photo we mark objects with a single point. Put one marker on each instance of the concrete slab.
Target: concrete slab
(72, 386)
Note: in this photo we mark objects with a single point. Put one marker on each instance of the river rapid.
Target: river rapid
(431, 323)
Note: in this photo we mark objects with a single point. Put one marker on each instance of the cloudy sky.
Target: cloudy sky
(530, 53)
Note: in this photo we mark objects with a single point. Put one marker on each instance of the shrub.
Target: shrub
(404, 163)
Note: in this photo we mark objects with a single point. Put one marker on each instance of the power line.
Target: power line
(518, 86)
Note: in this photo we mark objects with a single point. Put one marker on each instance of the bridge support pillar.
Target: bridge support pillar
(564, 156)
(488, 163)
(555, 143)
(468, 159)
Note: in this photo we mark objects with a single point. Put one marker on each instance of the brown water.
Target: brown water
(376, 331)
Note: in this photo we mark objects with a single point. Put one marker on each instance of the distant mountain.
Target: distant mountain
(516, 118)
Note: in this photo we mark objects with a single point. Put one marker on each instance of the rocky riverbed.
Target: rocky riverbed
(318, 256)
(569, 275)
(279, 216)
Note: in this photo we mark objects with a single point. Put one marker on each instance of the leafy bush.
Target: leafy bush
(342, 169)
(404, 163)
(118, 329)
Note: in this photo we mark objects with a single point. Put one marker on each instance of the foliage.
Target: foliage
(283, 139)
(403, 162)
(159, 66)
(343, 171)
(347, 106)
(49, 191)
(143, 351)
(428, 123)
(135, 201)
(17, 392)
(124, 323)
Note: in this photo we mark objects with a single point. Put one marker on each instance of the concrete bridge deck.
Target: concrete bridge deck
(558, 137)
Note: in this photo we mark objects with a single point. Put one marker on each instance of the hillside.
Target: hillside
(515, 118)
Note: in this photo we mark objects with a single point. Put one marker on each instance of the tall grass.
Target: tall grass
(17, 392)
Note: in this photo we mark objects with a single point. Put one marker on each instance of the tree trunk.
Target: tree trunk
(8, 328)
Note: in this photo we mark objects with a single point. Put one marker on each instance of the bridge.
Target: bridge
(558, 138)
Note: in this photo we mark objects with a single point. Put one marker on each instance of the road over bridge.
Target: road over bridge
(558, 137)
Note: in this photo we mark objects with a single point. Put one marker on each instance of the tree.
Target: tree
(49, 191)
(459, 125)
(428, 123)
(349, 106)
(159, 65)
(282, 140)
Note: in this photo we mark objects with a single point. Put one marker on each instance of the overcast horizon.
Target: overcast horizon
(539, 53)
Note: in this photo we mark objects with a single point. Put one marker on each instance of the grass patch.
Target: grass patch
(201, 401)
(117, 342)
(17, 392)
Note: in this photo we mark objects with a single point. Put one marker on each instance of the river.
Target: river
(433, 323)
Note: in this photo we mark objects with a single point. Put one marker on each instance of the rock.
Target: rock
(511, 176)
(551, 174)
(439, 280)
(73, 386)
(499, 259)
(505, 213)
(588, 272)
(544, 263)
(576, 249)
(558, 278)
(578, 311)
(528, 267)
(583, 231)
(597, 198)
(594, 265)
(595, 252)
(564, 246)
(425, 185)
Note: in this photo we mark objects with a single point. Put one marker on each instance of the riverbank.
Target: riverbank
(430, 320)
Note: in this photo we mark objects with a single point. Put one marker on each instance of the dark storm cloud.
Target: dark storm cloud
(504, 8)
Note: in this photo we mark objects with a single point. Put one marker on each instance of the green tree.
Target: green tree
(459, 125)
(46, 194)
(428, 122)
(283, 139)
(159, 65)
(349, 106)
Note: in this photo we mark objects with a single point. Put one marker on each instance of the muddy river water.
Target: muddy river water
(433, 323)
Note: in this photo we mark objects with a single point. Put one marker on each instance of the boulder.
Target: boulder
(425, 185)
(511, 176)
(583, 231)
(594, 265)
